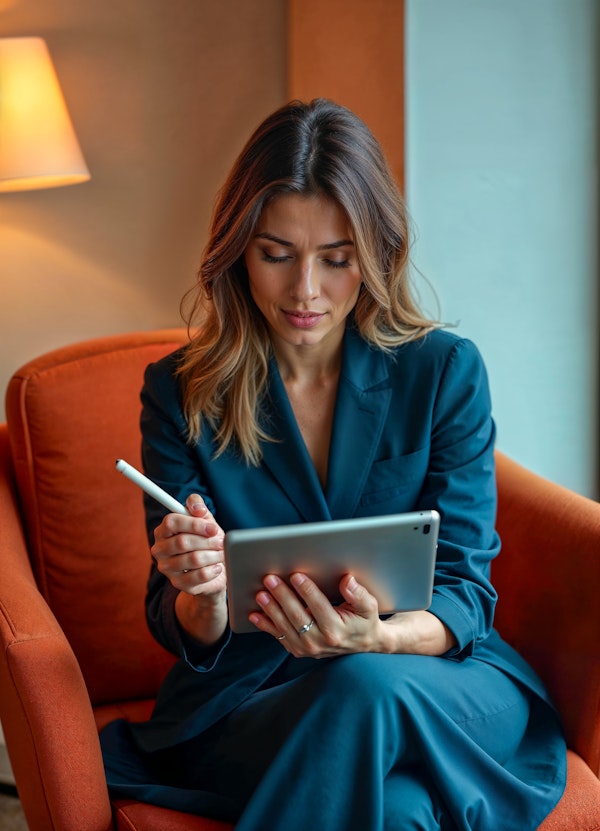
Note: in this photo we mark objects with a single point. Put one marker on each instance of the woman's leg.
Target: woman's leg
(412, 805)
(317, 750)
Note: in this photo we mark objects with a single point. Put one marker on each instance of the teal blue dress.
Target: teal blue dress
(243, 731)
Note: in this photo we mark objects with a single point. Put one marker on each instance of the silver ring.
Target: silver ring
(185, 571)
(307, 627)
(280, 637)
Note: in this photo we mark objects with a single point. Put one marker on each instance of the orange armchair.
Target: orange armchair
(75, 652)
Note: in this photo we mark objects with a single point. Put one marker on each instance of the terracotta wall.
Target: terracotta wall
(352, 51)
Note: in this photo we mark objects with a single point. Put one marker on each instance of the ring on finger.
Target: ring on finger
(185, 571)
(307, 627)
(280, 637)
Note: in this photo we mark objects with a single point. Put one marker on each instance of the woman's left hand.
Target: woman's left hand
(302, 618)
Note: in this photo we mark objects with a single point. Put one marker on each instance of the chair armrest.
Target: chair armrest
(44, 706)
(548, 582)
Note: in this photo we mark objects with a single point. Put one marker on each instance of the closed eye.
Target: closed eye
(337, 263)
(269, 258)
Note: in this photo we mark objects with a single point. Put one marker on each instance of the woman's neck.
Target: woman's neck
(308, 365)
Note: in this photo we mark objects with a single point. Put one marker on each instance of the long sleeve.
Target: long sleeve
(169, 461)
(460, 484)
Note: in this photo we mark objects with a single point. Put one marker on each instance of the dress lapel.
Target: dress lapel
(363, 400)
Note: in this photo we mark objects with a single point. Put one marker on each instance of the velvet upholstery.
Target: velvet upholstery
(76, 652)
(551, 556)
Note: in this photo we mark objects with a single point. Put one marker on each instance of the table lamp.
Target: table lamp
(38, 146)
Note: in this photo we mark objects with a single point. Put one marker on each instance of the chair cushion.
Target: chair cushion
(130, 816)
(138, 710)
(579, 809)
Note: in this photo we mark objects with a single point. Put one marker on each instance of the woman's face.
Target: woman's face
(302, 269)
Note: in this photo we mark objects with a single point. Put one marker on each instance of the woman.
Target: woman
(315, 389)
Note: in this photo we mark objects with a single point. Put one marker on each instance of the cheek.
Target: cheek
(262, 289)
(348, 292)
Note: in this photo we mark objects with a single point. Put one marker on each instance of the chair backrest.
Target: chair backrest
(71, 413)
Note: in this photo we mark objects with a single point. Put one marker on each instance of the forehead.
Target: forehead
(312, 213)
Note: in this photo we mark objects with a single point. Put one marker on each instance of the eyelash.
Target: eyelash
(330, 263)
(267, 258)
(338, 263)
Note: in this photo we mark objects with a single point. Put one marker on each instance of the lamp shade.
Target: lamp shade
(38, 146)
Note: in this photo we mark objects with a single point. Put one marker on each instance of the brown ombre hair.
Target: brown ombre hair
(317, 148)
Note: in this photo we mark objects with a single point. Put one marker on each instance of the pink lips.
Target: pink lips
(303, 320)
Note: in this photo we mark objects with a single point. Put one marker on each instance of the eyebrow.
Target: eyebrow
(325, 247)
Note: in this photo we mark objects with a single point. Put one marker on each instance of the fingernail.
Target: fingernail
(263, 598)
(271, 581)
(352, 584)
(297, 579)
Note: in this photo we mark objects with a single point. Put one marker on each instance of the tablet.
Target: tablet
(392, 556)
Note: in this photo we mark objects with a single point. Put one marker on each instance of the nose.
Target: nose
(305, 285)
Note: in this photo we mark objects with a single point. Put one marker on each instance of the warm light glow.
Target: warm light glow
(38, 146)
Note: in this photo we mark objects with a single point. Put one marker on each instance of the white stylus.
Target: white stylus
(151, 488)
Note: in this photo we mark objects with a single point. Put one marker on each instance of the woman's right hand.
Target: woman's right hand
(188, 551)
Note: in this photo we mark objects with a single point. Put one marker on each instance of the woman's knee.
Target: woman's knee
(376, 685)
(376, 675)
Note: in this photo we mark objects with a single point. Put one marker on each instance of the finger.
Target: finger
(204, 537)
(284, 626)
(174, 523)
(357, 597)
(197, 508)
(189, 543)
(203, 574)
(264, 623)
(315, 601)
(273, 616)
(205, 581)
(282, 612)
(186, 553)
(287, 608)
(174, 536)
